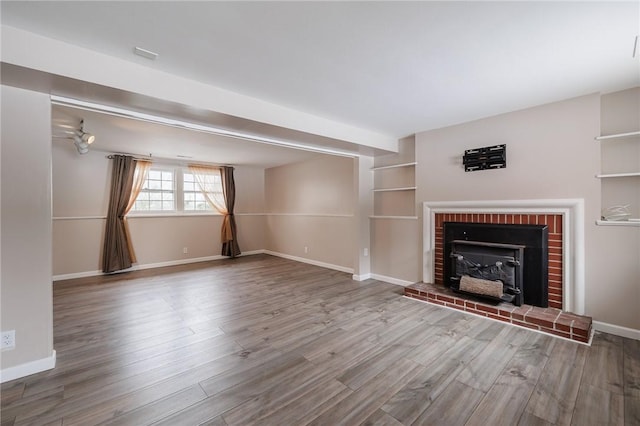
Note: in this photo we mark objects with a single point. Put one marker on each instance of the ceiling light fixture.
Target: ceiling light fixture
(82, 139)
(135, 115)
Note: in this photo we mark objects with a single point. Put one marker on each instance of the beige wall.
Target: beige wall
(311, 204)
(80, 198)
(26, 225)
(551, 153)
(613, 273)
(396, 242)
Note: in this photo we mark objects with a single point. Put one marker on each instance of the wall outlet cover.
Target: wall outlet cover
(8, 340)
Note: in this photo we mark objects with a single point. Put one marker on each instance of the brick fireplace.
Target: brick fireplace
(564, 219)
(553, 222)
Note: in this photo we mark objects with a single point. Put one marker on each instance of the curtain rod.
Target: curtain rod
(164, 160)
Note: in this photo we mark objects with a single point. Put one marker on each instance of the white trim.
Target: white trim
(393, 166)
(181, 124)
(310, 261)
(616, 175)
(618, 135)
(616, 223)
(618, 330)
(406, 188)
(309, 214)
(506, 323)
(572, 211)
(362, 277)
(394, 217)
(151, 266)
(28, 368)
(79, 218)
(74, 275)
(391, 280)
(197, 214)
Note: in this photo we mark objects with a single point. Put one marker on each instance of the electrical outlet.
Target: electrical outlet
(185, 250)
(8, 340)
(306, 249)
(366, 252)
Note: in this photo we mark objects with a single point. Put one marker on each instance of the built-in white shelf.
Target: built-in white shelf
(395, 217)
(617, 223)
(618, 136)
(621, 184)
(394, 166)
(615, 175)
(406, 188)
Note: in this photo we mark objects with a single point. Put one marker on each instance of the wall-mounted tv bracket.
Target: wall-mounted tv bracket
(489, 157)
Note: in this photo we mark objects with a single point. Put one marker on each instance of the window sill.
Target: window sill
(171, 214)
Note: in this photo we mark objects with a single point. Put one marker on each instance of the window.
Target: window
(158, 192)
(174, 190)
(194, 199)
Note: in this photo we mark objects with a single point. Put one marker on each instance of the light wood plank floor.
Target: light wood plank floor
(263, 340)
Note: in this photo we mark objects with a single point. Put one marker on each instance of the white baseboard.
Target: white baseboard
(28, 368)
(151, 266)
(618, 330)
(361, 277)
(311, 261)
(391, 280)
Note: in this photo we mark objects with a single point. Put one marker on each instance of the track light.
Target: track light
(82, 139)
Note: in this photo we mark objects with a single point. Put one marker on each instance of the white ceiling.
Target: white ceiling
(393, 67)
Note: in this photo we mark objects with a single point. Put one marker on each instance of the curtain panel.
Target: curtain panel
(207, 179)
(127, 177)
(230, 247)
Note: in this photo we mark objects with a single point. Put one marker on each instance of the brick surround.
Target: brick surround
(551, 320)
(554, 222)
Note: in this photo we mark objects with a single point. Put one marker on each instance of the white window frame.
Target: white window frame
(161, 169)
(178, 196)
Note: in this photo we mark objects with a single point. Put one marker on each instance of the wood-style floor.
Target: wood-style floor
(267, 341)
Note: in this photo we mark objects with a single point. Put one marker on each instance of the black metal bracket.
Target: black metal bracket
(489, 157)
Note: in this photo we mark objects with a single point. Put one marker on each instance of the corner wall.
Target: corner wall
(26, 288)
(310, 208)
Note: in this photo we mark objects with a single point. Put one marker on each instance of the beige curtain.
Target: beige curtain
(139, 177)
(207, 178)
(117, 254)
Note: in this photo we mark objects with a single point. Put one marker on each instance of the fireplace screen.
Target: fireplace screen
(487, 270)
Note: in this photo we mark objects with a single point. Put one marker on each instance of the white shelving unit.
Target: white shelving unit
(615, 175)
(394, 188)
(621, 181)
(406, 188)
(394, 166)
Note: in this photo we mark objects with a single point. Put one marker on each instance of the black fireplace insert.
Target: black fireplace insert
(517, 255)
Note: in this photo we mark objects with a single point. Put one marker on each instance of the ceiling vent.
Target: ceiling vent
(145, 53)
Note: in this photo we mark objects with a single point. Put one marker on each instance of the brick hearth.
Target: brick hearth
(550, 320)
